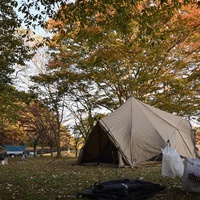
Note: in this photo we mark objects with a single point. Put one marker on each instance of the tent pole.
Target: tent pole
(99, 139)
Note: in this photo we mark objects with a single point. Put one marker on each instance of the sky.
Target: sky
(22, 74)
(37, 29)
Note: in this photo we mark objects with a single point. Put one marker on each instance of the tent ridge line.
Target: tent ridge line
(160, 116)
(137, 101)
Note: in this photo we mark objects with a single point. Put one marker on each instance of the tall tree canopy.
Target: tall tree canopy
(150, 53)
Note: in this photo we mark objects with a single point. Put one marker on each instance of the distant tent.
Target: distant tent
(15, 150)
(136, 132)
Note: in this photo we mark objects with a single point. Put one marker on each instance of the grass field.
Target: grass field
(58, 179)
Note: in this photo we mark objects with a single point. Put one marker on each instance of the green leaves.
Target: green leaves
(13, 50)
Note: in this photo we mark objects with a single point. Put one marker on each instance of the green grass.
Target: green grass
(58, 179)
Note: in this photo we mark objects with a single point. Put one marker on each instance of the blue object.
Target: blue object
(16, 150)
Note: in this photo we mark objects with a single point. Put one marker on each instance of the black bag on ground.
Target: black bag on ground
(122, 189)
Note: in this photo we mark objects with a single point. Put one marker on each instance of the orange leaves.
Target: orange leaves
(190, 15)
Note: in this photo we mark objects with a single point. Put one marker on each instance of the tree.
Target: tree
(10, 107)
(155, 63)
(12, 50)
(50, 94)
(77, 140)
(38, 123)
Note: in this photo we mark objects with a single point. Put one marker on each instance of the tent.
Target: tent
(136, 132)
(15, 150)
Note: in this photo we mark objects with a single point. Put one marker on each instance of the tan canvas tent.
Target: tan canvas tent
(136, 132)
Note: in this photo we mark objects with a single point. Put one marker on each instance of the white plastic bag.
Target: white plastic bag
(191, 175)
(172, 164)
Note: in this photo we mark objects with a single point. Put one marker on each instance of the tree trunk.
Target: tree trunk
(42, 150)
(58, 151)
(58, 142)
(58, 148)
(51, 148)
(34, 148)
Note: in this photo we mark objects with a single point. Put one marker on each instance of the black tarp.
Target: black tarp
(122, 189)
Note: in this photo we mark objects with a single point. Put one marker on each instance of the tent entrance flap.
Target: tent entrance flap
(108, 153)
(99, 148)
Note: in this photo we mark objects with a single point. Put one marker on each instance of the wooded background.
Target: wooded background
(93, 56)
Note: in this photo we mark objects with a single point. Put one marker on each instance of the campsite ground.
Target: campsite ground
(53, 179)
